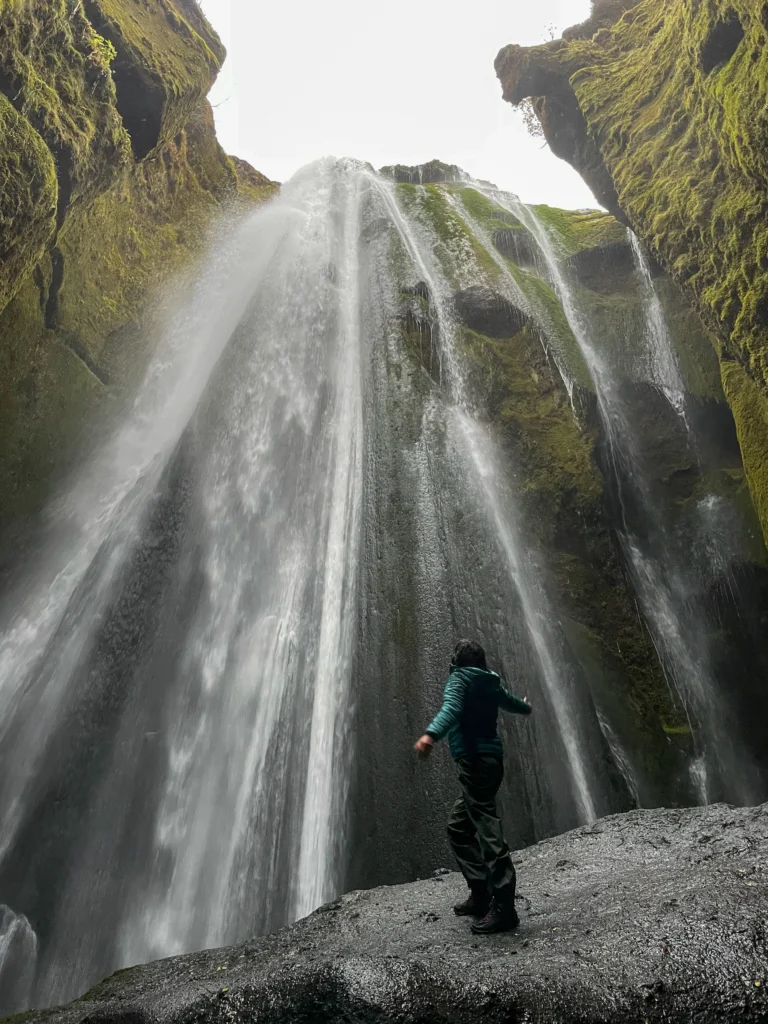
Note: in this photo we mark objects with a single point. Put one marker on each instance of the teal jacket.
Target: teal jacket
(470, 713)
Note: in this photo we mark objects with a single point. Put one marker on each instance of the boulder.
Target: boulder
(648, 916)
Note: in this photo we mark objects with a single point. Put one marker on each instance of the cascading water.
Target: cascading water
(553, 670)
(661, 367)
(177, 676)
(662, 573)
(275, 549)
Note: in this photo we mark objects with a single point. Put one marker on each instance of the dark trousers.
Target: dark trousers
(474, 828)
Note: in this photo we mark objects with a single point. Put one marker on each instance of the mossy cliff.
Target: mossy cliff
(662, 107)
(110, 174)
(525, 372)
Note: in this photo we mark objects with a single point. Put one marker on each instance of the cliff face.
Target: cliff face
(662, 109)
(110, 174)
(527, 376)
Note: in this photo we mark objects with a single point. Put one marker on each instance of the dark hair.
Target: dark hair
(469, 654)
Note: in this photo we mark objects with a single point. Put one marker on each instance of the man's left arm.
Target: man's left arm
(514, 705)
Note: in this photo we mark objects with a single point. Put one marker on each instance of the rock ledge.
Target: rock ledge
(648, 916)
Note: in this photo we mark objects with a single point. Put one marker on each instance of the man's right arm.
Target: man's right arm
(450, 713)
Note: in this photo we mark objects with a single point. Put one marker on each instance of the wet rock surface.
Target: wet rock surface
(485, 311)
(647, 916)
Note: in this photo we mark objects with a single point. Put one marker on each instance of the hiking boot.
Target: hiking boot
(476, 904)
(501, 916)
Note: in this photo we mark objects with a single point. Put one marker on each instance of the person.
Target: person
(469, 717)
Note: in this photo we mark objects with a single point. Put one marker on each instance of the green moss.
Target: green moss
(462, 256)
(56, 74)
(60, 349)
(28, 194)
(676, 730)
(573, 231)
(679, 115)
(749, 404)
(172, 57)
(695, 348)
(689, 179)
(545, 307)
(120, 228)
(527, 400)
(488, 214)
(45, 390)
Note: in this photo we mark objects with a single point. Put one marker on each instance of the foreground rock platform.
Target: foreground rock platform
(647, 916)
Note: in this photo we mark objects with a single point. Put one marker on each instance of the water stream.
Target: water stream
(663, 574)
(227, 585)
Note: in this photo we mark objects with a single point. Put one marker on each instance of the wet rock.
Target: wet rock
(485, 311)
(603, 267)
(648, 923)
(431, 173)
(519, 246)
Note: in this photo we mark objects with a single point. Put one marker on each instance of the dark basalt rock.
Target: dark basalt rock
(431, 173)
(485, 311)
(649, 916)
(603, 267)
(519, 246)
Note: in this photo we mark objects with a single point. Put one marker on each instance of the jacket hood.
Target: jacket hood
(478, 676)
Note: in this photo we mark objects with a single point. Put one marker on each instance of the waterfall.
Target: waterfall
(239, 614)
(662, 366)
(184, 653)
(538, 613)
(662, 573)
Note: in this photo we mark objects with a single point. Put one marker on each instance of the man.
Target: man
(468, 717)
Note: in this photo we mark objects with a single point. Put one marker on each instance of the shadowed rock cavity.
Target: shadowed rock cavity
(603, 267)
(489, 313)
(517, 245)
(721, 43)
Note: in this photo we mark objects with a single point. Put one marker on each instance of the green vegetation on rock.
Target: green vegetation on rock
(665, 113)
(460, 253)
(168, 57)
(88, 232)
(576, 230)
(486, 213)
(56, 73)
(750, 411)
(28, 196)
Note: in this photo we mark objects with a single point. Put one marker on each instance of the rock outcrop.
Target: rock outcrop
(649, 916)
(110, 175)
(527, 374)
(425, 174)
(662, 109)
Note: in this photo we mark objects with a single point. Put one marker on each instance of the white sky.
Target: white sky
(398, 82)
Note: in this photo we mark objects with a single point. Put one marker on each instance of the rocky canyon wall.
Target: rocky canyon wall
(110, 177)
(661, 106)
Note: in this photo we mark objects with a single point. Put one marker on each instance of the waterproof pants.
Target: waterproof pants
(474, 828)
